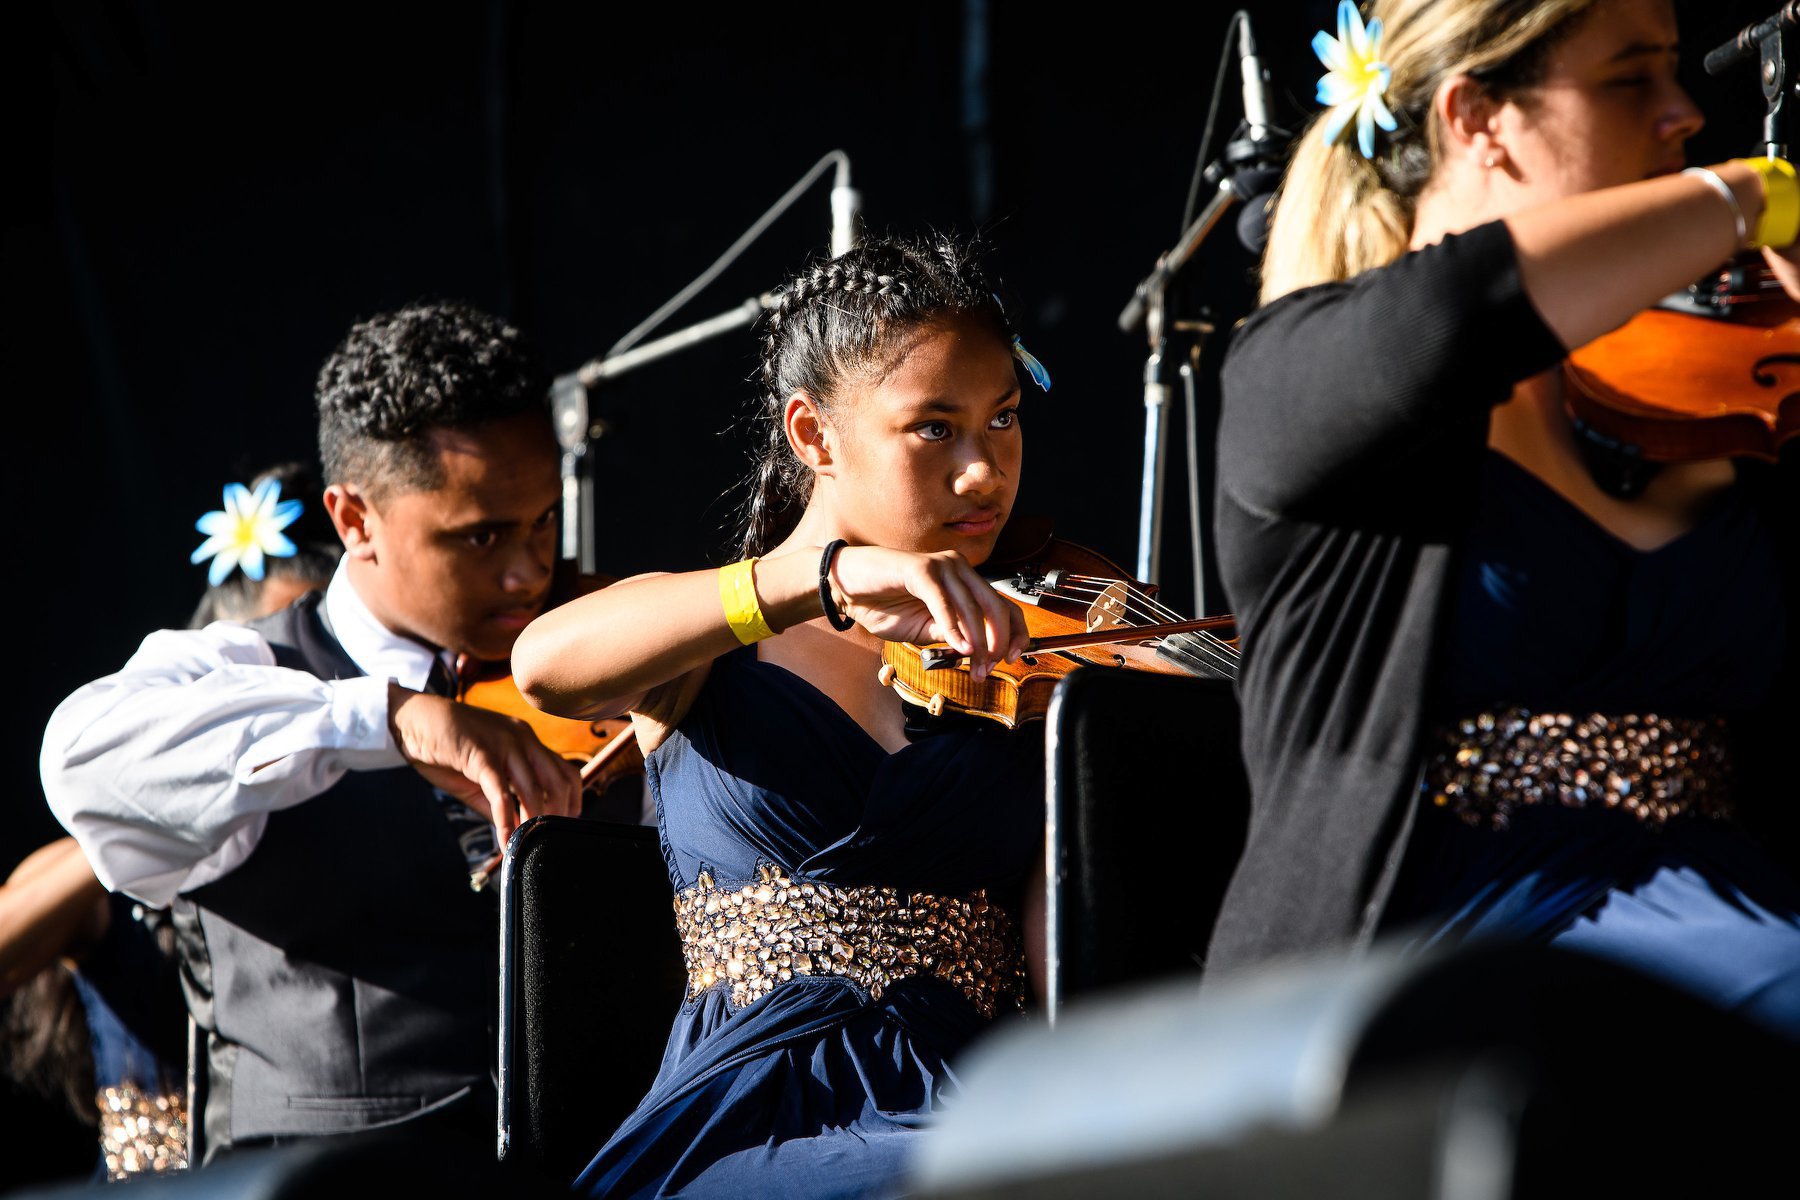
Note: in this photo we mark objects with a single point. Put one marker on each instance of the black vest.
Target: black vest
(345, 975)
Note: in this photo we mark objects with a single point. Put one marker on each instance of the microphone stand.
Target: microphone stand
(576, 430)
(570, 416)
(1766, 44)
(1149, 307)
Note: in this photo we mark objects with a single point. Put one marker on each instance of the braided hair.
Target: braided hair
(840, 322)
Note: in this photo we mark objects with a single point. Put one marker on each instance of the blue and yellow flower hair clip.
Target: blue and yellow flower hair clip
(1356, 79)
(246, 530)
(1040, 375)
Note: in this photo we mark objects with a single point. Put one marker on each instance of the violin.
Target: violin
(606, 749)
(1712, 372)
(1081, 609)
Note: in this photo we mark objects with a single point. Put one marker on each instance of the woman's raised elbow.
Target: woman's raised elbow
(536, 658)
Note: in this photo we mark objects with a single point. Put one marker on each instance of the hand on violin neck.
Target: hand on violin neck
(491, 762)
(900, 596)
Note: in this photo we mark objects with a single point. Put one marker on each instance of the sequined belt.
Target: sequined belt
(767, 932)
(141, 1132)
(1656, 768)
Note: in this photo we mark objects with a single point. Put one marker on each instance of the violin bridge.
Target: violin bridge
(1111, 609)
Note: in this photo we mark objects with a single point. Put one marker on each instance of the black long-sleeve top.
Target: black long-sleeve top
(1355, 419)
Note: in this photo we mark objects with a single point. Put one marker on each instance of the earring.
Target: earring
(1490, 160)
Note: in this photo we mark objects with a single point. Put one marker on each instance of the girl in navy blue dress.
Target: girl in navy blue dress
(1494, 685)
(848, 898)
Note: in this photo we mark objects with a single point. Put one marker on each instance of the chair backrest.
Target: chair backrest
(1489, 1068)
(591, 974)
(1148, 804)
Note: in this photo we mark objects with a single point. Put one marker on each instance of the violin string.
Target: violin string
(1139, 615)
(1221, 653)
(1207, 646)
(1100, 585)
(1149, 605)
(1156, 608)
(1131, 588)
(1225, 664)
(1136, 603)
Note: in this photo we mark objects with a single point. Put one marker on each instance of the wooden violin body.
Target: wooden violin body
(1714, 373)
(581, 742)
(1069, 594)
(607, 749)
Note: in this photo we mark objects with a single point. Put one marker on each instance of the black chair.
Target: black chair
(1489, 1070)
(591, 974)
(1148, 805)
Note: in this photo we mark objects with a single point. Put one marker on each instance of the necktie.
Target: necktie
(441, 681)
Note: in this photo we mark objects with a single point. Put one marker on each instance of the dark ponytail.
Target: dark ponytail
(835, 323)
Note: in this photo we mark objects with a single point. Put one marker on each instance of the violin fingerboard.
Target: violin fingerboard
(1199, 654)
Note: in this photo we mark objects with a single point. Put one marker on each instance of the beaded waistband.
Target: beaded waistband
(1656, 768)
(769, 931)
(141, 1132)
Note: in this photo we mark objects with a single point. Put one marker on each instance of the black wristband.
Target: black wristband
(838, 620)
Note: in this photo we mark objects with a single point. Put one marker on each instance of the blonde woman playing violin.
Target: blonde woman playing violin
(1483, 696)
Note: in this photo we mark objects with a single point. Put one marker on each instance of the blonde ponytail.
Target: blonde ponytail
(1332, 218)
(1339, 214)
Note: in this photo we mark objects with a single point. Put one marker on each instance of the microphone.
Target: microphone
(1254, 159)
(1249, 173)
(1255, 82)
(1747, 44)
(846, 206)
(569, 416)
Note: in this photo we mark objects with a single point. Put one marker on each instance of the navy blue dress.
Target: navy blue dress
(1555, 614)
(816, 1088)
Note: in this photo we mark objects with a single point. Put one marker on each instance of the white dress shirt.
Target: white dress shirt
(167, 771)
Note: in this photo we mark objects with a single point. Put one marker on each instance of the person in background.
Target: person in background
(303, 791)
(95, 1017)
(300, 560)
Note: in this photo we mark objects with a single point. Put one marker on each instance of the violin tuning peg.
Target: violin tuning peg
(936, 705)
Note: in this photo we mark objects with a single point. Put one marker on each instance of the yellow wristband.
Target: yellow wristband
(737, 593)
(1779, 225)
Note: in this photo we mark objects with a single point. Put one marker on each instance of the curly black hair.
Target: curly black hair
(399, 375)
(840, 321)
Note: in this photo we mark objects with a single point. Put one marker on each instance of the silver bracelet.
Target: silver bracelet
(1724, 189)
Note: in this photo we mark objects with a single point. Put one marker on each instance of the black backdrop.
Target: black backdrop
(229, 188)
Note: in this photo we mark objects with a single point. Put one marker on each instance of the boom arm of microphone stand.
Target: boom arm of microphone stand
(601, 369)
(575, 428)
(1769, 44)
(1149, 293)
(1147, 308)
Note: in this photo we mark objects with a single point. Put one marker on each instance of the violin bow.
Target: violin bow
(937, 658)
(479, 876)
